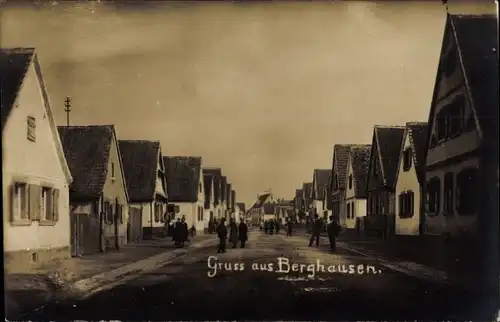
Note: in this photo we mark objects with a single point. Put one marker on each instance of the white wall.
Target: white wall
(408, 181)
(36, 163)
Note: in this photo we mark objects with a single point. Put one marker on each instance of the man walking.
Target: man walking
(289, 227)
(333, 229)
(233, 232)
(316, 230)
(243, 233)
(222, 234)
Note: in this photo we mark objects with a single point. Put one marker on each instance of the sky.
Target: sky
(262, 90)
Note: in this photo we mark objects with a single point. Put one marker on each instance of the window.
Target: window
(467, 191)
(31, 122)
(20, 201)
(441, 124)
(348, 211)
(448, 194)
(108, 211)
(157, 212)
(406, 204)
(50, 200)
(433, 195)
(200, 188)
(350, 181)
(112, 170)
(407, 158)
(120, 213)
(451, 120)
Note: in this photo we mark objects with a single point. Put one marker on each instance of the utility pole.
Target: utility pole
(67, 109)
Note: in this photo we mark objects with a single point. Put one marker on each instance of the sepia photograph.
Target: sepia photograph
(250, 160)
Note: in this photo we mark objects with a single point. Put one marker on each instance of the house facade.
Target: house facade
(298, 201)
(208, 186)
(410, 180)
(355, 192)
(185, 189)
(257, 211)
(241, 208)
(338, 174)
(228, 201)
(146, 187)
(216, 174)
(224, 197)
(35, 173)
(383, 168)
(462, 150)
(320, 179)
(98, 194)
(327, 200)
(306, 197)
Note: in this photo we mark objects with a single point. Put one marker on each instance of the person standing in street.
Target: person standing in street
(289, 227)
(243, 233)
(277, 226)
(333, 229)
(222, 234)
(233, 232)
(266, 226)
(316, 230)
(184, 231)
(271, 226)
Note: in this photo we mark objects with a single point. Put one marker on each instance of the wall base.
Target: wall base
(24, 260)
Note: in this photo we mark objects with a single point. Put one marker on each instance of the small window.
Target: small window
(441, 124)
(348, 210)
(31, 128)
(466, 191)
(200, 190)
(48, 204)
(112, 170)
(407, 159)
(448, 194)
(350, 181)
(433, 195)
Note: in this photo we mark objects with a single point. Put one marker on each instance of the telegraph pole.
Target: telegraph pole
(67, 109)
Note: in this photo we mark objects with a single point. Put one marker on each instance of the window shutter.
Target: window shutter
(13, 201)
(55, 203)
(400, 201)
(412, 203)
(34, 195)
(49, 204)
(121, 214)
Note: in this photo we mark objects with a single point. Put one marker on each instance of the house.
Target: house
(462, 147)
(185, 189)
(381, 182)
(35, 174)
(234, 213)
(320, 179)
(240, 207)
(208, 186)
(355, 191)
(298, 203)
(327, 198)
(146, 186)
(228, 201)
(269, 211)
(223, 197)
(306, 196)
(338, 174)
(216, 174)
(257, 209)
(410, 180)
(98, 194)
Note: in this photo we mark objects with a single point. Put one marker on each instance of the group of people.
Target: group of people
(332, 228)
(179, 231)
(236, 233)
(273, 225)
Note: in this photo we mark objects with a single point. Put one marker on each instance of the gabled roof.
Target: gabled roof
(417, 133)
(87, 149)
(14, 66)
(241, 205)
(476, 39)
(389, 140)
(339, 166)
(183, 177)
(216, 173)
(320, 178)
(208, 181)
(140, 164)
(359, 158)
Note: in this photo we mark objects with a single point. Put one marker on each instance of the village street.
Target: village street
(182, 289)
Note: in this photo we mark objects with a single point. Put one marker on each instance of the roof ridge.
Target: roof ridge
(18, 50)
(379, 126)
(149, 141)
